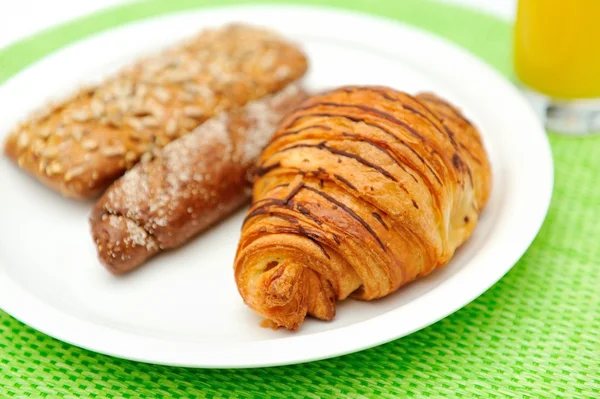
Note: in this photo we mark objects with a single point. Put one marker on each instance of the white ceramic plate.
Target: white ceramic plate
(183, 307)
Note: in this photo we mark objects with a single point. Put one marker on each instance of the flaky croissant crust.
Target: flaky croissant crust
(361, 190)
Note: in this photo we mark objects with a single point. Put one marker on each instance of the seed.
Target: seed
(42, 166)
(135, 123)
(42, 114)
(150, 121)
(50, 152)
(187, 97)
(54, 168)
(60, 131)
(23, 140)
(89, 144)
(122, 89)
(94, 175)
(65, 145)
(162, 94)
(38, 146)
(193, 112)
(123, 104)
(157, 110)
(171, 128)
(147, 157)
(178, 77)
(206, 93)
(112, 151)
(141, 90)
(194, 88)
(80, 116)
(21, 160)
(97, 108)
(130, 156)
(45, 132)
(194, 67)
(77, 133)
(73, 172)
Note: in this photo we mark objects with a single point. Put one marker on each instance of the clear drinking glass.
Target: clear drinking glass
(557, 58)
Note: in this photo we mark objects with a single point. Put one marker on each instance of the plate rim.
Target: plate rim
(28, 314)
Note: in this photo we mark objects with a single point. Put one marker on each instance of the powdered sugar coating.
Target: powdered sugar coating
(197, 179)
(263, 117)
(135, 235)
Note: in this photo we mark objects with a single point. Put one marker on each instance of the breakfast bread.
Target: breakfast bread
(80, 145)
(187, 186)
(361, 191)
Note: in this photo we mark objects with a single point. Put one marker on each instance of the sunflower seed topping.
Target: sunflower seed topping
(23, 140)
(38, 146)
(50, 152)
(193, 112)
(187, 97)
(54, 168)
(171, 128)
(97, 108)
(162, 94)
(77, 133)
(141, 90)
(150, 121)
(80, 116)
(44, 132)
(112, 151)
(135, 123)
(74, 172)
(89, 144)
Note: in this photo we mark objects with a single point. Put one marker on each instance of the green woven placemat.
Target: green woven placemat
(534, 334)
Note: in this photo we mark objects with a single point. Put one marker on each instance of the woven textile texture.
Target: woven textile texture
(535, 334)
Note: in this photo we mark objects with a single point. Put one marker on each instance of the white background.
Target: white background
(21, 18)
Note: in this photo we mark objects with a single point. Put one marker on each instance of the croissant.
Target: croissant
(360, 191)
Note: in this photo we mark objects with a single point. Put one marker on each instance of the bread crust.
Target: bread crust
(186, 187)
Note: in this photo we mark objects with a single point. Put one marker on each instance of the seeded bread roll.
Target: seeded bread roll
(80, 146)
(189, 185)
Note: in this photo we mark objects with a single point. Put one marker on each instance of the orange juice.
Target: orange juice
(557, 47)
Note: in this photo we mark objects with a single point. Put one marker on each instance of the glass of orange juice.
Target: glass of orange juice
(557, 57)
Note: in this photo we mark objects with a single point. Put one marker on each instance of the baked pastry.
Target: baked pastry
(360, 191)
(81, 145)
(190, 184)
